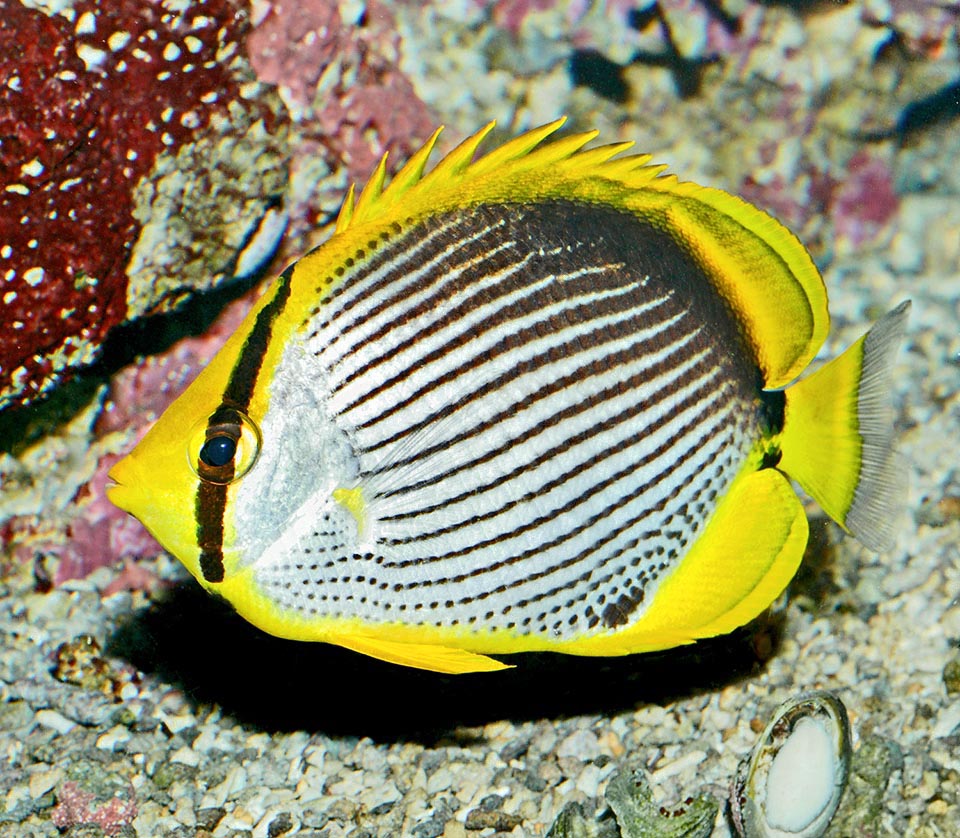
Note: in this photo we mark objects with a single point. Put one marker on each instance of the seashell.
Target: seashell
(791, 785)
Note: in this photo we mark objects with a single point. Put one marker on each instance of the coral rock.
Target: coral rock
(130, 154)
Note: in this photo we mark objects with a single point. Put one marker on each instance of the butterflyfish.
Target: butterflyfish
(545, 399)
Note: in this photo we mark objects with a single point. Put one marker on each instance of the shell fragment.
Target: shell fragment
(794, 779)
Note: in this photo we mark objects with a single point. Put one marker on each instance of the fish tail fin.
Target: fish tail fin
(837, 438)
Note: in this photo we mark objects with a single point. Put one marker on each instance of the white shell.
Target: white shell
(793, 782)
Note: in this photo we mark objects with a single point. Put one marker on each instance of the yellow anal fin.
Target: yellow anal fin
(751, 550)
(435, 658)
(748, 552)
(837, 439)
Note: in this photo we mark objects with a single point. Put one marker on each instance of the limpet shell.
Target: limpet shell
(792, 783)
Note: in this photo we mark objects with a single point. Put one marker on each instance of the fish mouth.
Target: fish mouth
(119, 492)
(118, 495)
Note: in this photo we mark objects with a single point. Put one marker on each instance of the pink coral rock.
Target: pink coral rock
(341, 79)
(75, 806)
(865, 201)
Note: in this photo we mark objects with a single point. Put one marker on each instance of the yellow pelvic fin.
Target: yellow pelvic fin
(420, 655)
(256, 607)
(352, 500)
(837, 439)
(749, 551)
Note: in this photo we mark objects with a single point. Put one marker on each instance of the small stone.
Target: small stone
(15, 796)
(176, 724)
(514, 750)
(113, 738)
(590, 778)
(43, 781)
(677, 766)
(483, 819)
(948, 720)
(342, 809)
(280, 825)
(611, 743)
(15, 714)
(380, 797)
(951, 675)
(185, 756)
(929, 785)
(581, 744)
(440, 780)
(79, 662)
(209, 818)
(350, 784)
(55, 721)
(168, 773)
(432, 828)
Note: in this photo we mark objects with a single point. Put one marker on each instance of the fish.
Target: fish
(549, 398)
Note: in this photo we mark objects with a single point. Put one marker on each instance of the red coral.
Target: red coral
(294, 44)
(88, 102)
(74, 807)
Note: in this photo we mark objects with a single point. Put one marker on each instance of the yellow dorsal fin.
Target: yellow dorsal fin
(373, 190)
(412, 170)
(345, 217)
(459, 160)
(602, 157)
(760, 269)
(521, 147)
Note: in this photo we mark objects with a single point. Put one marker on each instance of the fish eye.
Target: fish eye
(218, 451)
(223, 446)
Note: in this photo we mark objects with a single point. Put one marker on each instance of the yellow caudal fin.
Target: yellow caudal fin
(429, 656)
(837, 439)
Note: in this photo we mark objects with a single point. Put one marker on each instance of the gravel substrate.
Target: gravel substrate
(161, 713)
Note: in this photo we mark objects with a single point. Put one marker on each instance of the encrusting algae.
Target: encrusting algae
(540, 400)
